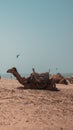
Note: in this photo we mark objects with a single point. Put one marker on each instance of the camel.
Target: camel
(35, 80)
(70, 79)
(58, 78)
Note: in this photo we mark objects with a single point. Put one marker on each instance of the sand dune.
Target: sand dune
(22, 109)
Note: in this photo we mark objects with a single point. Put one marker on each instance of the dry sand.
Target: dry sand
(22, 109)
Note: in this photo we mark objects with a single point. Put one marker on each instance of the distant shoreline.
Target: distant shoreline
(10, 76)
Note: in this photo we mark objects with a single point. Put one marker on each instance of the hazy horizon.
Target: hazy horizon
(40, 32)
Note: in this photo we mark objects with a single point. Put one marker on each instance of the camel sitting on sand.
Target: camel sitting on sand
(35, 80)
(70, 79)
(58, 78)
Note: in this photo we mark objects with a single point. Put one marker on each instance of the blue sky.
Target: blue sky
(41, 31)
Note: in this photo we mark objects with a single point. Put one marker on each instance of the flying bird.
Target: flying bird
(17, 55)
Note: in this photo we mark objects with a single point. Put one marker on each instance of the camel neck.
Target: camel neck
(18, 77)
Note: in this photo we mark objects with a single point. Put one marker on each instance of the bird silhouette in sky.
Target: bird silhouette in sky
(17, 56)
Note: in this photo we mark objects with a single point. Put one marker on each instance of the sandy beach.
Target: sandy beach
(25, 109)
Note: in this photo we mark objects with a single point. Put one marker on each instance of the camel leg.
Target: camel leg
(52, 85)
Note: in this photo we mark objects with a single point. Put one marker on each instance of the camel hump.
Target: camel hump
(40, 77)
(45, 75)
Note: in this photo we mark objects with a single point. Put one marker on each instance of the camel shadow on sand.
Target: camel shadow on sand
(22, 88)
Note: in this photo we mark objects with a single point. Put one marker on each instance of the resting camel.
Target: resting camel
(58, 78)
(70, 79)
(34, 81)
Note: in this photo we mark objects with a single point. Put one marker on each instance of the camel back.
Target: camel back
(40, 77)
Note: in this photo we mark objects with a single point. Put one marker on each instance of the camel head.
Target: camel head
(12, 70)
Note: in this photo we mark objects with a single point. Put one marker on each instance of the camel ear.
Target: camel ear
(14, 69)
